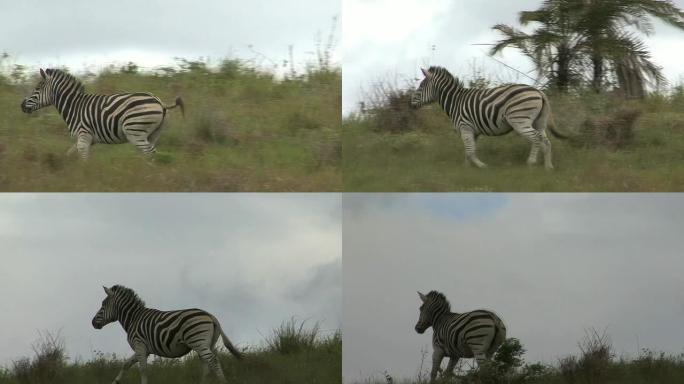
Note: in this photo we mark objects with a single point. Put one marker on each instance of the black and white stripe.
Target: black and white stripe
(111, 119)
(490, 112)
(162, 333)
(475, 334)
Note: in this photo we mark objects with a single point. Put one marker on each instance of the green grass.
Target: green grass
(243, 131)
(317, 362)
(421, 152)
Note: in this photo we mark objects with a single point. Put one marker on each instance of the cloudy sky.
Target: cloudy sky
(252, 260)
(389, 40)
(551, 266)
(94, 33)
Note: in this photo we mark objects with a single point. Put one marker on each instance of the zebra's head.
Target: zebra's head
(427, 91)
(434, 304)
(107, 312)
(42, 95)
(119, 301)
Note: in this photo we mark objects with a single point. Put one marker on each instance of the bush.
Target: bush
(293, 338)
(614, 132)
(48, 362)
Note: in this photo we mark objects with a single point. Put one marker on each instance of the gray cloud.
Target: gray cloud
(410, 29)
(550, 265)
(93, 32)
(239, 256)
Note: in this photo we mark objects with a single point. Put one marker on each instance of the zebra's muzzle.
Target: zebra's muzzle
(25, 108)
(96, 324)
(420, 329)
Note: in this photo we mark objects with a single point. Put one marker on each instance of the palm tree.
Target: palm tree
(595, 37)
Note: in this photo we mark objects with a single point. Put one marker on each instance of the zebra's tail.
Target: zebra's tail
(550, 123)
(238, 355)
(178, 103)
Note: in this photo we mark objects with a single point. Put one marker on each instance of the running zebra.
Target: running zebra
(475, 334)
(110, 119)
(162, 333)
(489, 112)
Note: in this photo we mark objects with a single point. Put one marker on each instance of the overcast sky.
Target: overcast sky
(551, 265)
(391, 39)
(93, 33)
(252, 260)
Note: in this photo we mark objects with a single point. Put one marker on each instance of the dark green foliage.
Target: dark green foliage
(575, 40)
(595, 364)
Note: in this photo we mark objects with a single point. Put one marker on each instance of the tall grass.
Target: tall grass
(596, 363)
(244, 130)
(317, 360)
(614, 145)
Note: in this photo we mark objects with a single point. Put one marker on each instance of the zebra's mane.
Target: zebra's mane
(67, 76)
(439, 296)
(444, 73)
(128, 293)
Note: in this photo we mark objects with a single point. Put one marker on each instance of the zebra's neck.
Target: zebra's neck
(440, 319)
(449, 93)
(129, 316)
(67, 97)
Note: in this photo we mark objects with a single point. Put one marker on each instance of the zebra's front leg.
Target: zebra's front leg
(437, 356)
(83, 143)
(469, 143)
(72, 150)
(127, 365)
(449, 371)
(141, 356)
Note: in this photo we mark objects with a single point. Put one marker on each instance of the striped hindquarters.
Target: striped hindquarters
(111, 118)
(170, 333)
(490, 112)
(471, 333)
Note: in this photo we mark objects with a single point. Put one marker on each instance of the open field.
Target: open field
(398, 149)
(243, 131)
(290, 355)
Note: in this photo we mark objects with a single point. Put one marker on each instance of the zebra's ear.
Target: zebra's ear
(42, 73)
(422, 297)
(425, 73)
(108, 291)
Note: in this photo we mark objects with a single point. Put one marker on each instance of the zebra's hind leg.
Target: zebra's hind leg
(210, 359)
(546, 149)
(469, 142)
(139, 139)
(525, 129)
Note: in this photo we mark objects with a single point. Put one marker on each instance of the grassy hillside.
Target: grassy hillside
(614, 145)
(243, 131)
(290, 356)
(595, 364)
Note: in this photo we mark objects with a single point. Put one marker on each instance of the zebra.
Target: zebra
(489, 112)
(111, 119)
(162, 333)
(475, 334)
